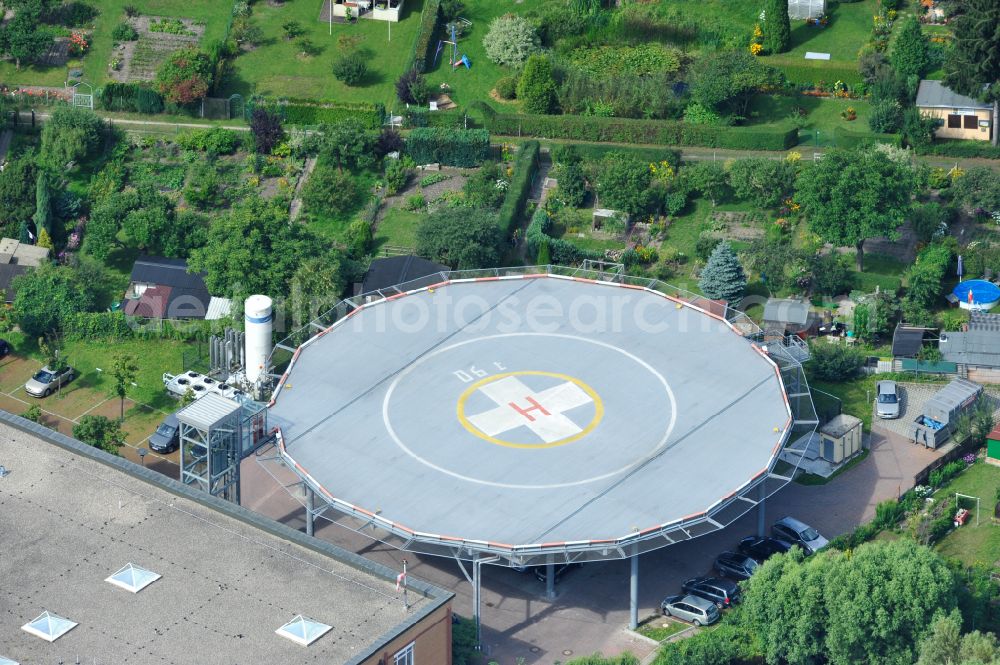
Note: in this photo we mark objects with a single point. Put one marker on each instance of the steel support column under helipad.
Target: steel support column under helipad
(550, 581)
(633, 609)
(310, 510)
(761, 521)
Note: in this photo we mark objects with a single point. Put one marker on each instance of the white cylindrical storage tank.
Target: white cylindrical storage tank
(258, 318)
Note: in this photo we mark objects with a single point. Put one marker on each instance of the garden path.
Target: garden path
(296, 206)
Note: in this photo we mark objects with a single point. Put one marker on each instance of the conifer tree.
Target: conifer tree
(723, 277)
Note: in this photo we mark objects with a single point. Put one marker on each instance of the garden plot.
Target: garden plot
(158, 38)
(743, 226)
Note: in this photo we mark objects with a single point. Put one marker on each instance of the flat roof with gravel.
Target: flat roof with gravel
(531, 410)
(68, 522)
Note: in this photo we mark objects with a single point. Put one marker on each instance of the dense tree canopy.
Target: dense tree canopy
(47, 295)
(100, 432)
(24, 37)
(910, 52)
(973, 64)
(622, 183)
(71, 134)
(763, 181)
(852, 195)
(726, 81)
(17, 193)
(185, 77)
(461, 238)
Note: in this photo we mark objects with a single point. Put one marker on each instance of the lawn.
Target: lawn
(824, 124)
(660, 628)
(970, 543)
(848, 30)
(277, 67)
(468, 85)
(397, 229)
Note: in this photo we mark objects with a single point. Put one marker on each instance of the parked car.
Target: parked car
(735, 566)
(167, 437)
(887, 402)
(697, 610)
(799, 533)
(46, 381)
(761, 549)
(560, 570)
(722, 592)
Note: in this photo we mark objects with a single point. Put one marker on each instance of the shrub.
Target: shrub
(130, 97)
(415, 202)
(73, 14)
(396, 175)
(886, 116)
(930, 220)
(124, 32)
(562, 252)
(486, 188)
(762, 181)
(350, 69)
(572, 184)
(100, 432)
(835, 362)
(215, 141)
(525, 168)
(830, 274)
(411, 88)
(957, 148)
(97, 325)
(461, 238)
(452, 147)
(507, 87)
(536, 88)
(266, 129)
(329, 192)
(510, 40)
(389, 140)
(888, 514)
(71, 134)
(185, 76)
(292, 29)
(696, 114)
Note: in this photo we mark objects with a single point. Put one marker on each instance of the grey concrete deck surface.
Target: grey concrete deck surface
(531, 411)
(67, 523)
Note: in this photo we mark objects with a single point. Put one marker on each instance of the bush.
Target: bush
(71, 134)
(958, 148)
(185, 76)
(397, 174)
(72, 14)
(214, 141)
(451, 147)
(464, 239)
(350, 69)
(830, 274)
(97, 325)
(835, 362)
(572, 184)
(561, 252)
(124, 32)
(411, 88)
(507, 87)
(627, 130)
(888, 514)
(131, 98)
(329, 192)
(525, 168)
(510, 40)
(536, 88)
(886, 117)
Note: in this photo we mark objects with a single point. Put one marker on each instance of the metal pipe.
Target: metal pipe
(476, 593)
(310, 503)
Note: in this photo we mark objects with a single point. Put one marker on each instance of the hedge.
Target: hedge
(561, 252)
(130, 97)
(305, 112)
(627, 130)
(97, 325)
(423, 118)
(450, 147)
(595, 153)
(525, 169)
(421, 51)
(824, 73)
(959, 148)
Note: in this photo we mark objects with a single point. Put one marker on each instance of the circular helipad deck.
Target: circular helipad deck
(530, 412)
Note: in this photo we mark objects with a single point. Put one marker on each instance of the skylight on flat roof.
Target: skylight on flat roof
(303, 630)
(50, 627)
(132, 578)
(7, 661)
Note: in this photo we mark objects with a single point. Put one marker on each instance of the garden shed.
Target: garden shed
(806, 9)
(941, 412)
(993, 446)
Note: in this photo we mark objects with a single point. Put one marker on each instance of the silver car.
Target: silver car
(887, 402)
(46, 381)
(799, 533)
(697, 610)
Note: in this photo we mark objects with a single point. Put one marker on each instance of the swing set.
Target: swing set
(454, 60)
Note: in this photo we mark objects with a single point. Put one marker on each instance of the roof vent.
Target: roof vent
(7, 661)
(303, 630)
(50, 627)
(133, 578)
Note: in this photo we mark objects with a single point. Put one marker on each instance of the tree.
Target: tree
(803, 610)
(451, 9)
(910, 52)
(510, 40)
(972, 67)
(464, 239)
(329, 193)
(979, 187)
(622, 183)
(17, 192)
(317, 286)
(723, 277)
(44, 239)
(46, 296)
(777, 29)
(43, 206)
(709, 179)
(25, 38)
(124, 371)
(775, 262)
(71, 134)
(572, 184)
(292, 29)
(852, 195)
(537, 88)
(347, 145)
(185, 76)
(762, 181)
(236, 241)
(350, 69)
(100, 432)
(266, 129)
(726, 81)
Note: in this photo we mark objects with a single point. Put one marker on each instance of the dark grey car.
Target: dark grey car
(722, 592)
(697, 610)
(735, 566)
(166, 438)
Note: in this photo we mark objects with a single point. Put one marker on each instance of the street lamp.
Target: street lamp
(142, 455)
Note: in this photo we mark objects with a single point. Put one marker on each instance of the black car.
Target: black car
(560, 570)
(722, 592)
(761, 549)
(735, 566)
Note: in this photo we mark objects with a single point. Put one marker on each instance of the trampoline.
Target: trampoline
(977, 294)
(535, 417)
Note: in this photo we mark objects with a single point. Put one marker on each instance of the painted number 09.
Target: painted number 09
(473, 373)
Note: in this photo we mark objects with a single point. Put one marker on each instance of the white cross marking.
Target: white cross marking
(542, 413)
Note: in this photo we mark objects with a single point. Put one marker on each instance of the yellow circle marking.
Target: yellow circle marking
(463, 398)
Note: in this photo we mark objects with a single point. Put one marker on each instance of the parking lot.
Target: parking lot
(590, 612)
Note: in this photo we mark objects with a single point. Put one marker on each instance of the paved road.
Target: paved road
(591, 609)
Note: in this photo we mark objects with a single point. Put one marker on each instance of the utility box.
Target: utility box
(993, 446)
(840, 438)
(936, 424)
